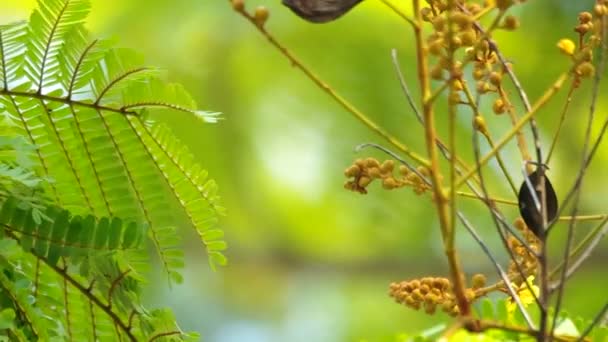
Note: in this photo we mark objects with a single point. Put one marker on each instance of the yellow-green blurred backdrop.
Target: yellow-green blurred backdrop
(310, 261)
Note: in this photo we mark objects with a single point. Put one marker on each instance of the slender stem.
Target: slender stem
(499, 270)
(583, 217)
(471, 103)
(399, 12)
(65, 100)
(555, 87)
(562, 118)
(584, 254)
(521, 139)
(586, 144)
(440, 144)
(359, 115)
(441, 200)
(492, 199)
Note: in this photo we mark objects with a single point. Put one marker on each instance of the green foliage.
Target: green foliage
(498, 312)
(85, 175)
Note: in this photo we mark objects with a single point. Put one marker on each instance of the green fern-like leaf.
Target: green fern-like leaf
(84, 176)
(61, 235)
(82, 104)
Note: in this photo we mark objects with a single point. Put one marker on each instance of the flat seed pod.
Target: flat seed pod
(527, 207)
(320, 11)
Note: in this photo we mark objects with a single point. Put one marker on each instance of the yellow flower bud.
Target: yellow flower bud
(238, 5)
(479, 281)
(585, 70)
(261, 15)
(566, 46)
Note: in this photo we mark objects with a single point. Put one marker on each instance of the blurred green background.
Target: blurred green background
(310, 261)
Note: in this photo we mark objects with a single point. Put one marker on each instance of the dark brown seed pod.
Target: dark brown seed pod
(320, 11)
(527, 207)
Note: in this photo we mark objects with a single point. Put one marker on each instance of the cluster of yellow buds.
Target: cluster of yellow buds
(431, 293)
(523, 256)
(590, 32)
(451, 30)
(364, 171)
(488, 72)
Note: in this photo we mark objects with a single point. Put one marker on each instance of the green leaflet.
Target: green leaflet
(85, 176)
(67, 236)
(81, 102)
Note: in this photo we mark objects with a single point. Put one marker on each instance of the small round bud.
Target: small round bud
(387, 166)
(372, 162)
(479, 281)
(456, 42)
(468, 37)
(417, 295)
(495, 78)
(585, 17)
(585, 70)
(238, 5)
(427, 14)
(389, 183)
(498, 107)
(483, 87)
(583, 28)
(352, 171)
(504, 4)
(457, 85)
(511, 23)
(438, 23)
(479, 123)
(437, 73)
(424, 289)
(461, 19)
(478, 74)
(520, 224)
(374, 172)
(261, 15)
(473, 8)
(566, 46)
(436, 47)
(364, 181)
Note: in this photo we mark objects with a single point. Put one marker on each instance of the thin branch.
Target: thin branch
(64, 100)
(399, 12)
(84, 53)
(598, 318)
(585, 254)
(160, 335)
(113, 82)
(115, 283)
(553, 89)
(499, 270)
(496, 217)
(587, 139)
(363, 118)
(84, 291)
(48, 44)
(562, 118)
(410, 100)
